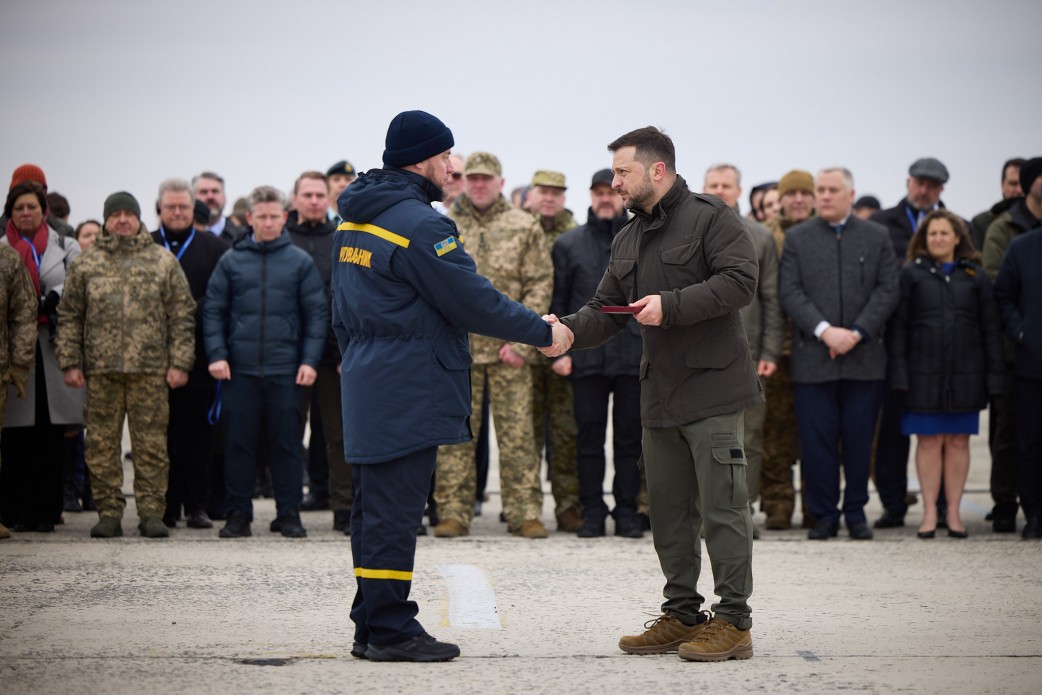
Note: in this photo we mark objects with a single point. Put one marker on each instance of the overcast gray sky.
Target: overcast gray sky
(117, 94)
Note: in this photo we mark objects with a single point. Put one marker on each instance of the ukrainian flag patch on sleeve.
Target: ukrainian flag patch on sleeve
(443, 247)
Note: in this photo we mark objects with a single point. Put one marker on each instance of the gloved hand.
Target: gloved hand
(19, 376)
(49, 303)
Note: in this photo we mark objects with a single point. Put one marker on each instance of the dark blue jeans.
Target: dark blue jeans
(837, 420)
(268, 406)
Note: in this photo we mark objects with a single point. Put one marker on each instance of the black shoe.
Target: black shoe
(927, 535)
(593, 528)
(958, 534)
(170, 521)
(890, 520)
(421, 531)
(1003, 523)
(199, 520)
(628, 527)
(237, 526)
(358, 650)
(1032, 529)
(70, 503)
(311, 503)
(420, 648)
(645, 522)
(342, 521)
(859, 531)
(823, 530)
(290, 526)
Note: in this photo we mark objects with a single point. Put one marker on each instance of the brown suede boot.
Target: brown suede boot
(719, 641)
(450, 528)
(570, 520)
(533, 528)
(663, 635)
(4, 532)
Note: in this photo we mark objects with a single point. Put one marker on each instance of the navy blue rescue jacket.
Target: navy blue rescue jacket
(266, 309)
(405, 295)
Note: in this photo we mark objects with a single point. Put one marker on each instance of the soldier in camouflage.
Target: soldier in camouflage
(126, 331)
(509, 249)
(553, 417)
(18, 310)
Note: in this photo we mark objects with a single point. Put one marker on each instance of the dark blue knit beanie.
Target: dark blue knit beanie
(414, 136)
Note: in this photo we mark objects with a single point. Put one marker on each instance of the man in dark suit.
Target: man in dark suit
(838, 284)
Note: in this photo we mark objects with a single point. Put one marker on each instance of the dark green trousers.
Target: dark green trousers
(697, 482)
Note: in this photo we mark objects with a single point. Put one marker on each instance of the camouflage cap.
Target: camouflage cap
(482, 163)
(554, 179)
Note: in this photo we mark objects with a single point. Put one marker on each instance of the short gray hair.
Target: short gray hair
(848, 178)
(175, 186)
(721, 166)
(265, 194)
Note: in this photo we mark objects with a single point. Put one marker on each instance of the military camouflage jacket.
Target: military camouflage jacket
(510, 249)
(18, 304)
(127, 308)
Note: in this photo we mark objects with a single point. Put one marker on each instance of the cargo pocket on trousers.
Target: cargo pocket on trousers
(730, 489)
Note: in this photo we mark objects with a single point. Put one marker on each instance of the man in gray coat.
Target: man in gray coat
(838, 284)
(684, 267)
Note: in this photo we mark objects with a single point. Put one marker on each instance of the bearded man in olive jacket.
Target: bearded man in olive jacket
(685, 266)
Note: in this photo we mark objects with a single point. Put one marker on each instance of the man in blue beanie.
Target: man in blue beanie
(405, 295)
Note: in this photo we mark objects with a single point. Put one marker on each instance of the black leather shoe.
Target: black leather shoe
(823, 530)
(237, 526)
(890, 520)
(859, 531)
(593, 528)
(1032, 529)
(310, 503)
(420, 648)
(1004, 524)
(358, 650)
(199, 520)
(926, 535)
(342, 521)
(628, 528)
(958, 534)
(290, 526)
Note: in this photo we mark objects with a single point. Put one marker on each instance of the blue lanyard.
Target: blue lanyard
(912, 218)
(214, 414)
(36, 255)
(184, 247)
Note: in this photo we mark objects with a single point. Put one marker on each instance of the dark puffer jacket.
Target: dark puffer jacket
(945, 350)
(266, 309)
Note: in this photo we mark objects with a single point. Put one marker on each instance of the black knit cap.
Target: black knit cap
(414, 136)
(121, 201)
(1029, 171)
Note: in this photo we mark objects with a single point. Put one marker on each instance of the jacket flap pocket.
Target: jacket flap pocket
(679, 255)
(451, 355)
(622, 268)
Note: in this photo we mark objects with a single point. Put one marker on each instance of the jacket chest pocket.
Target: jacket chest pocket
(624, 273)
(681, 266)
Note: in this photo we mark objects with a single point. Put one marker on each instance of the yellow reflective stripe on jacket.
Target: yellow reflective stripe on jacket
(383, 574)
(397, 239)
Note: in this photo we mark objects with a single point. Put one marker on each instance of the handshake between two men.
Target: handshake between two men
(648, 311)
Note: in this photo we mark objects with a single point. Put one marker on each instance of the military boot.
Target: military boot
(107, 527)
(153, 527)
(532, 528)
(719, 641)
(662, 635)
(451, 528)
(570, 520)
(4, 533)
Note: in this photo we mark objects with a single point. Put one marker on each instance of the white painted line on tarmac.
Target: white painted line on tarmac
(472, 602)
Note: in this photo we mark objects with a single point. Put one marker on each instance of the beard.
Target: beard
(643, 194)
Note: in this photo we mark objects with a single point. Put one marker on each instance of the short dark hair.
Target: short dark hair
(652, 146)
(1015, 162)
(84, 223)
(58, 204)
(21, 189)
(963, 249)
(208, 175)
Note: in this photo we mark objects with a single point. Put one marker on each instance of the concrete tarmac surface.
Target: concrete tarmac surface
(266, 614)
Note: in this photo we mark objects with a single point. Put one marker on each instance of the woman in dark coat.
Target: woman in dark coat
(946, 354)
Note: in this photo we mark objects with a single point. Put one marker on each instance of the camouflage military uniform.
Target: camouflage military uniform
(552, 411)
(781, 446)
(508, 247)
(126, 317)
(17, 323)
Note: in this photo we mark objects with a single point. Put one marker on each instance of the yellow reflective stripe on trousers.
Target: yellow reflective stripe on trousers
(383, 574)
(385, 234)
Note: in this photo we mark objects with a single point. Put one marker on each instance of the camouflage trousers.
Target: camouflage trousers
(510, 398)
(142, 399)
(780, 442)
(553, 417)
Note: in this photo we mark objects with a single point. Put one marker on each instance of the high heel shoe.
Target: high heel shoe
(925, 535)
(957, 534)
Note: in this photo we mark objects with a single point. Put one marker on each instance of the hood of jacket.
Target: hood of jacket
(377, 190)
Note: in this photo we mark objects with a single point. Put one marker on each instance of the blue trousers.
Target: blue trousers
(837, 420)
(387, 509)
(268, 405)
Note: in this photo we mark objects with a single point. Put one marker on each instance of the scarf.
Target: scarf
(21, 244)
